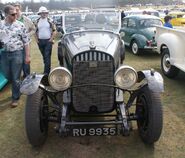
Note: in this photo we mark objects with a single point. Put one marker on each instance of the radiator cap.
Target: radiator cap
(92, 45)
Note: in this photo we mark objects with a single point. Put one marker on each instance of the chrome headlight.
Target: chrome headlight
(125, 77)
(60, 78)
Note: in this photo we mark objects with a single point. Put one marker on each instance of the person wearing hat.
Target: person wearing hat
(167, 20)
(45, 33)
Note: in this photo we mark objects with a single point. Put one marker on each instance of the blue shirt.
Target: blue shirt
(168, 25)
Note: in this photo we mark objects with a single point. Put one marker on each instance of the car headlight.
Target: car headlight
(125, 77)
(60, 78)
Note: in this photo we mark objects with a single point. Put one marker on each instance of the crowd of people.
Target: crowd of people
(16, 31)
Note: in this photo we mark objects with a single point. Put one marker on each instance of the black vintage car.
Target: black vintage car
(92, 90)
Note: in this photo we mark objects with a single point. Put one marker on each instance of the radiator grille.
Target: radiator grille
(92, 56)
(93, 68)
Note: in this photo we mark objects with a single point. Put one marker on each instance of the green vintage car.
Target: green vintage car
(138, 32)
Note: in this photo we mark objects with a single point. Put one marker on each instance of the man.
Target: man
(122, 14)
(45, 33)
(15, 39)
(167, 22)
(30, 29)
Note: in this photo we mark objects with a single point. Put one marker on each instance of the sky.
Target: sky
(3, 1)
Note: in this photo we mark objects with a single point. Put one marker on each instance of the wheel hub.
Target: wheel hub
(166, 63)
(135, 48)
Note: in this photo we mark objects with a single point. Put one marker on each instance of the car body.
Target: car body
(57, 20)
(84, 95)
(33, 18)
(136, 11)
(138, 32)
(3, 80)
(178, 18)
(172, 51)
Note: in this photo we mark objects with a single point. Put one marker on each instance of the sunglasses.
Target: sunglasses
(44, 13)
(14, 14)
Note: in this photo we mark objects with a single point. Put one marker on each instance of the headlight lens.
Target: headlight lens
(60, 78)
(125, 77)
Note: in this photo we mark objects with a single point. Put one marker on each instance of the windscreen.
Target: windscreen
(150, 22)
(92, 20)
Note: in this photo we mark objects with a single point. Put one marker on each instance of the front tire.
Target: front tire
(168, 69)
(135, 47)
(36, 122)
(149, 112)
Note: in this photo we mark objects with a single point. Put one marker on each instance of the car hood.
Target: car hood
(149, 33)
(98, 40)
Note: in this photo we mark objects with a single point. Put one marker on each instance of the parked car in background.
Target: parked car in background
(3, 80)
(57, 19)
(172, 51)
(178, 18)
(138, 32)
(84, 94)
(33, 18)
(136, 11)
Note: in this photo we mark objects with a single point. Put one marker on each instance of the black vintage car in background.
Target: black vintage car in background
(92, 90)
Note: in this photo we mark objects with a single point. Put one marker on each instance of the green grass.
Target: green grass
(13, 141)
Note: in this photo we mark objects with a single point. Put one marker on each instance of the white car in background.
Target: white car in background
(171, 45)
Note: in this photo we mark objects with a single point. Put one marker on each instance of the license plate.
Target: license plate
(104, 131)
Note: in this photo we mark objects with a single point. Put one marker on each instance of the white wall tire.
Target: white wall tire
(168, 69)
(135, 48)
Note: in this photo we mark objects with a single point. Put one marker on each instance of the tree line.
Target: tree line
(67, 4)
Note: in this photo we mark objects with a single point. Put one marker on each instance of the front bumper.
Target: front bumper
(150, 47)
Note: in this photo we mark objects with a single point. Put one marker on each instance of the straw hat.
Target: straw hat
(43, 10)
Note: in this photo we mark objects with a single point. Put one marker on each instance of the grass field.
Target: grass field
(13, 141)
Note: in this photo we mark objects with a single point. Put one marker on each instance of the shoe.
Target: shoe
(14, 104)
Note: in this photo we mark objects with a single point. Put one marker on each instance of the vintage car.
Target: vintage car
(172, 51)
(178, 18)
(138, 32)
(57, 19)
(84, 95)
(136, 11)
(3, 80)
(33, 18)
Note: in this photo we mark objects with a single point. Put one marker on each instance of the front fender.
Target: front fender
(141, 40)
(175, 46)
(155, 81)
(31, 84)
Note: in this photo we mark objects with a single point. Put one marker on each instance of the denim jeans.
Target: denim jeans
(25, 67)
(11, 65)
(46, 48)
